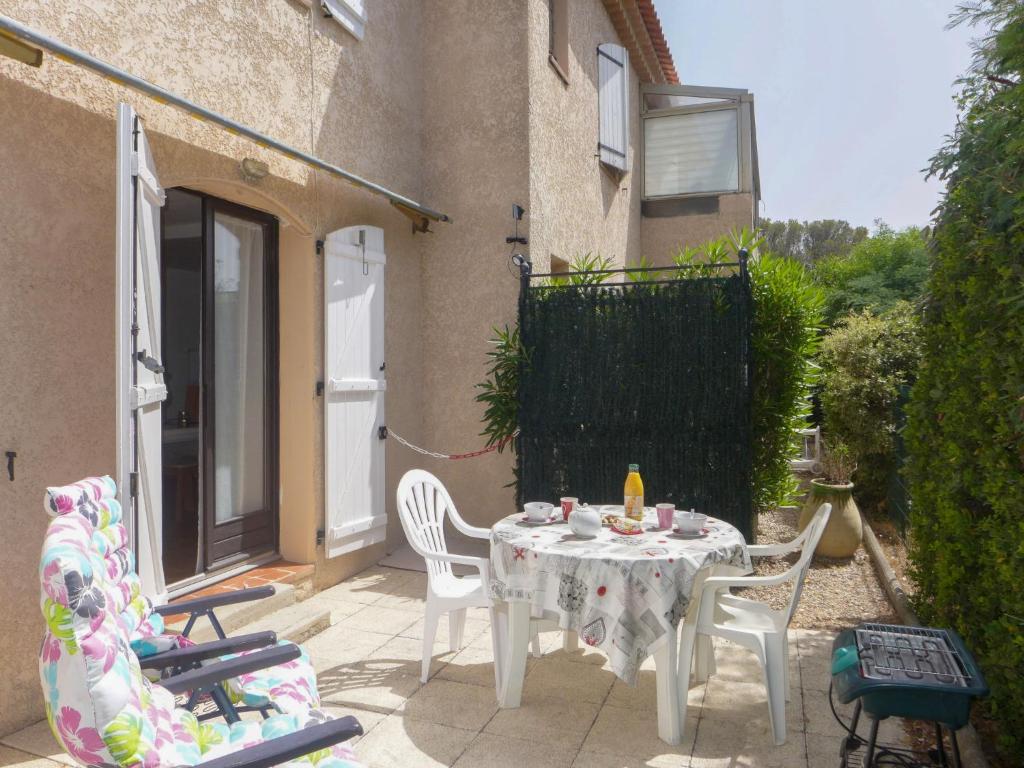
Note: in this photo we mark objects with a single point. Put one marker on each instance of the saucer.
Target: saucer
(703, 532)
(553, 519)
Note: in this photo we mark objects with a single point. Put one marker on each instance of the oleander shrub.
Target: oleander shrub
(966, 416)
(785, 340)
(865, 359)
(785, 337)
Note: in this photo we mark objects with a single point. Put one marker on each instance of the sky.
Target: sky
(851, 97)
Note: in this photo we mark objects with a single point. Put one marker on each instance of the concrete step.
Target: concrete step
(297, 622)
(234, 617)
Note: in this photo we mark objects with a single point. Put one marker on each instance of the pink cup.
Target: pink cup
(665, 513)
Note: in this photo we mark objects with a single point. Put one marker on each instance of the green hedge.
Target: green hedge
(864, 361)
(966, 418)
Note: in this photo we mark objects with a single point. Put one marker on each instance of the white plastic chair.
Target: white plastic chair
(754, 625)
(423, 503)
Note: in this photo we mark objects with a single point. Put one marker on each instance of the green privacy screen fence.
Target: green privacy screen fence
(655, 373)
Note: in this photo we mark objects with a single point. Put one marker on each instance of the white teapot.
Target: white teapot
(585, 521)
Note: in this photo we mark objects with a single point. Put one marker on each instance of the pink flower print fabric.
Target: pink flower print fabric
(83, 743)
(100, 706)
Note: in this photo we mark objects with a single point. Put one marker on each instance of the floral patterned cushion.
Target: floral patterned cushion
(291, 686)
(100, 706)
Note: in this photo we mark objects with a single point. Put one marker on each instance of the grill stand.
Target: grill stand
(852, 743)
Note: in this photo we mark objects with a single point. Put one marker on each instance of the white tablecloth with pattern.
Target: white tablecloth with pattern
(622, 594)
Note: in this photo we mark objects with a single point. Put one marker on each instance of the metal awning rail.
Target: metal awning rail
(12, 29)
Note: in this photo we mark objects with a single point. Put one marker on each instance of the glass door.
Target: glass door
(240, 370)
(219, 337)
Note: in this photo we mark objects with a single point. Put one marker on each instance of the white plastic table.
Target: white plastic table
(626, 595)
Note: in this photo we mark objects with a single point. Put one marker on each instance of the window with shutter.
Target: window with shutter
(351, 14)
(697, 141)
(613, 105)
(356, 516)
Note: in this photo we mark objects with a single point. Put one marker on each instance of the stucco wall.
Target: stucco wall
(494, 136)
(56, 349)
(662, 237)
(576, 205)
(355, 103)
(476, 156)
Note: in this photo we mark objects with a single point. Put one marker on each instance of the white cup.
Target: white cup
(687, 523)
(538, 511)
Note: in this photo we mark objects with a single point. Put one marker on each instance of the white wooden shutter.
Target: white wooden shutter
(613, 105)
(355, 385)
(140, 381)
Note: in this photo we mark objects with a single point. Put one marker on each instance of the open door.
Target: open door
(140, 381)
(355, 387)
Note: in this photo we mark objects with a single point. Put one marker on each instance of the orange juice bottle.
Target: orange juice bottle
(634, 494)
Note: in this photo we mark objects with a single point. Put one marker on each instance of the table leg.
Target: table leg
(670, 724)
(517, 643)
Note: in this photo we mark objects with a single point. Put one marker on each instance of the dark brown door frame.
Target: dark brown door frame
(256, 532)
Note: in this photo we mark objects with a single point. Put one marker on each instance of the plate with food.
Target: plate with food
(626, 526)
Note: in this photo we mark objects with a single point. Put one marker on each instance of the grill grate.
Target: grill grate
(910, 655)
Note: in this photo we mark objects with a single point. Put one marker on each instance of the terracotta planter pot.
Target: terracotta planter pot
(844, 530)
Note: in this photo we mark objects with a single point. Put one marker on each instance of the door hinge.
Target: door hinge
(319, 247)
(320, 536)
(133, 484)
(382, 432)
(319, 389)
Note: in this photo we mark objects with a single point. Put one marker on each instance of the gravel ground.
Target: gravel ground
(837, 593)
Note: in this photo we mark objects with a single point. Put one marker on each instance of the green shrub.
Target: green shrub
(966, 418)
(785, 339)
(864, 361)
(876, 274)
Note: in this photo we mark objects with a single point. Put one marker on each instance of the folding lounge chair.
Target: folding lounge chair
(285, 687)
(105, 712)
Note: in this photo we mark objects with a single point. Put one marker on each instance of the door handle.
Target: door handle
(150, 363)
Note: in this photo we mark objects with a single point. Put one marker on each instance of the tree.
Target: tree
(810, 241)
(878, 272)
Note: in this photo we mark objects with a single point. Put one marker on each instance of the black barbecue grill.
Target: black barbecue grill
(919, 673)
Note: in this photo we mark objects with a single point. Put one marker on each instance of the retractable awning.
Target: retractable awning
(26, 44)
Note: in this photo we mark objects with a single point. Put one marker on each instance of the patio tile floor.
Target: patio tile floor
(574, 712)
